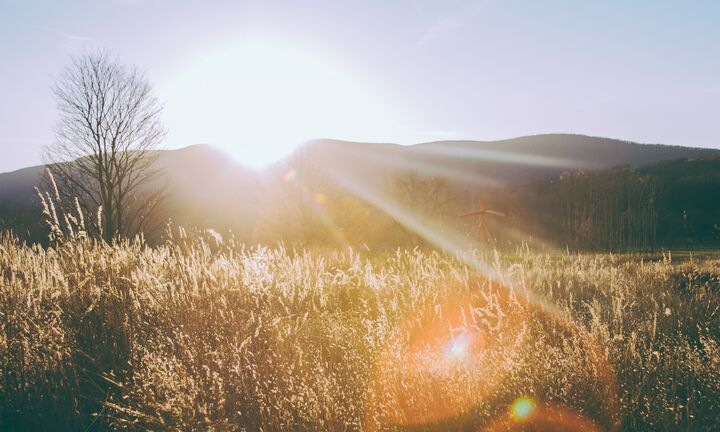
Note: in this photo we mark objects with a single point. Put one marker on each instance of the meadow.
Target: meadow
(201, 333)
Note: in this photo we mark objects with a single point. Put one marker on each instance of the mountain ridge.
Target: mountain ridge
(210, 189)
(498, 159)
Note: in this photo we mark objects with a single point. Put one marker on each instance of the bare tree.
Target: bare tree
(104, 152)
(427, 195)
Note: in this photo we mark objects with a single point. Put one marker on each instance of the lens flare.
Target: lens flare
(525, 414)
(447, 357)
(290, 175)
(447, 360)
(316, 200)
(320, 198)
(522, 408)
(458, 348)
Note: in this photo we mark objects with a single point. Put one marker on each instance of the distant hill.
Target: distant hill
(209, 189)
(17, 186)
(505, 162)
(205, 188)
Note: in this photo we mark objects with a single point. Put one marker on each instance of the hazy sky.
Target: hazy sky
(255, 77)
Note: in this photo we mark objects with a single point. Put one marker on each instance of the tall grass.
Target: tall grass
(204, 334)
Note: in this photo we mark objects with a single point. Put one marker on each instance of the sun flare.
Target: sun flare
(259, 100)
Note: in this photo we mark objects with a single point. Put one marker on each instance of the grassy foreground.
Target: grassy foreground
(201, 334)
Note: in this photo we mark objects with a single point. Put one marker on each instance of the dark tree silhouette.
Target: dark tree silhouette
(104, 150)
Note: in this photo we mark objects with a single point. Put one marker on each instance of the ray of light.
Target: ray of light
(380, 161)
(316, 200)
(434, 232)
(437, 357)
(516, 158)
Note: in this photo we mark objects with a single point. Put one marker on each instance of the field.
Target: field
(202, 334)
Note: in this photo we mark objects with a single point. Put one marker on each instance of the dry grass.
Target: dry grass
(202, 334)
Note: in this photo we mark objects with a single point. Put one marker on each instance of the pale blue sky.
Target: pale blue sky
(647, 71)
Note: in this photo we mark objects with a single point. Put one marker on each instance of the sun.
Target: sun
(259, 100)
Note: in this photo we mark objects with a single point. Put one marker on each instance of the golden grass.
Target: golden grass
(203, 334)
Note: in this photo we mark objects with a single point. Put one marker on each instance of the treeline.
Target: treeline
(673, 204)
(610, 210)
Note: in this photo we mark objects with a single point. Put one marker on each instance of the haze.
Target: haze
(257, 78)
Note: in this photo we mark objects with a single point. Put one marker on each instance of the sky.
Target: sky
(256, 78)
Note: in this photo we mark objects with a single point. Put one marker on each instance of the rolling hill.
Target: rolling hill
(506, 162)
(209, 189)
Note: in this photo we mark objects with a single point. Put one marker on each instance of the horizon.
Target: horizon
(265, 77)
(261, 169)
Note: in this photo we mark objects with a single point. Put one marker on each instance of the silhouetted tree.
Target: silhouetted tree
(103, 153)
(427, 195)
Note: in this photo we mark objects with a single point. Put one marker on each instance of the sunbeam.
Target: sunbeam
(480, 154)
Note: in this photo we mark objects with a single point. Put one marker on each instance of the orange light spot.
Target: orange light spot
(290, 176)
(522, 408)
(320, 198)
